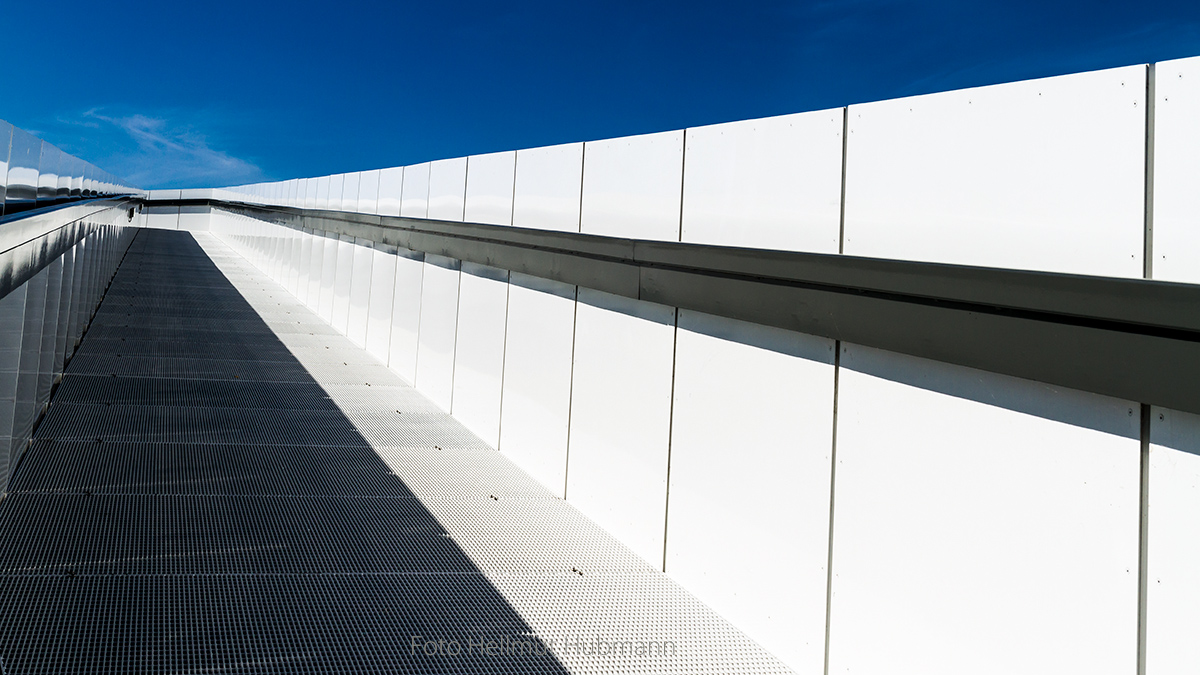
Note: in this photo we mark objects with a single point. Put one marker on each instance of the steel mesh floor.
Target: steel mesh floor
(224, 484)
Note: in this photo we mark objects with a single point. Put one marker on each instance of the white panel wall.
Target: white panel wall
(342, 276)
(323, 192)
(973, 537)
(406, 315)
(194, 218)
(329, 265)
(391, 184)
(447, 188)
(490, 188)
(315, 269)
(379, 308)
(1173, 599)
(479, 350)
(1043, 175)
(772, 183)
(304, 273)
(162, 217)
(617, 473)
(439, 322)
(337, 184)
(752, 437)
(414, 201)
(548, 185)
(632, 186)
(368, 191)
(1177, 171)
(537, 378)
(360, 292)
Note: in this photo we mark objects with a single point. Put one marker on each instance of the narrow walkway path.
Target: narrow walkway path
(224, 484)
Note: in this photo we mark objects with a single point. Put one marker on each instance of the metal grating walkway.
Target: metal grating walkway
(223, 484)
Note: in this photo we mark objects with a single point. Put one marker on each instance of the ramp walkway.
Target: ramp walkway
(223, 484)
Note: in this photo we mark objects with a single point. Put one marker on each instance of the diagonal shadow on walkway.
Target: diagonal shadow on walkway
(196, 501)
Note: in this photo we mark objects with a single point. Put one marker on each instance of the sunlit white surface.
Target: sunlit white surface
(970, 537)
(414, 201)
(1042, 175)
(1177, 171)
(771, 183)
(490, 188)
(368, 191)
(391, 184)
(439, 314)
(379, 307)
(1173, 599)
(537, 378)
(632, 186)
(617, 472)
(360, 293)
(406, 315)
(752, 436)
(479, 350)
(447, 188)
(548, 183)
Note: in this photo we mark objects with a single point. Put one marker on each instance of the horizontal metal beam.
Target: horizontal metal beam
(1129, 338)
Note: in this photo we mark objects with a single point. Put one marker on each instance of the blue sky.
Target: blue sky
(214, 93)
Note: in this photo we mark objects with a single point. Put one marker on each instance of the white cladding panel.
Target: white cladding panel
(447, 188)
(391, 185)
(406, 315)
(537, 378)
(621, 417)
(337, 184)
(978, 537)
(1177, 171)
(1173, 581)
(316, 265)
(439, 321)
(368, 191)
(162, 217)
(194, 218)
(479, 350)
(751, 440)
(341, 285)
(379, 307)
(490, 188)
(548, 182)
(1042, 175)
(329, 266)
(323, 192)
(360, 293)
(632, 186)
(772, 183)
(414, 202)
(350, 191)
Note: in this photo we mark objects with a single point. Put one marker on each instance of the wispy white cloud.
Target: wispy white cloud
(165, 149)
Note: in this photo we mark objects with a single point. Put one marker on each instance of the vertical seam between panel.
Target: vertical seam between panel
(837, 369)
(512, 205)
(571, 392)
(842, 205)
(579, 228)
(466, 177)
(1143, 534)
(420, 306)
(454, 347)
(682, 184)
(428, 186)
(503, 359)
(1144, 450)
(670, 438)
(1148, 195)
